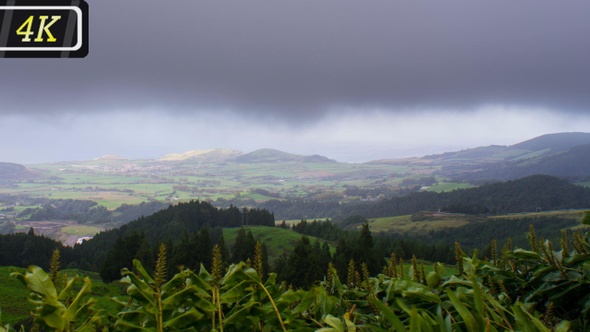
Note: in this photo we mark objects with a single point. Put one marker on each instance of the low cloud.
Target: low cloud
(295, 61)
(344, 136)
(347, 79)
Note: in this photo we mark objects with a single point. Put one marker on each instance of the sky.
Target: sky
(351, 80)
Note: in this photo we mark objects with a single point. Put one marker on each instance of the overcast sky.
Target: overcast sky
(351, 80)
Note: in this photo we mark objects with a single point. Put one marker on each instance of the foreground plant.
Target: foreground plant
(523, 290)
(63, 312)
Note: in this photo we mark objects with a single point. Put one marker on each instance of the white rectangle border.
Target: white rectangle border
(78, 21)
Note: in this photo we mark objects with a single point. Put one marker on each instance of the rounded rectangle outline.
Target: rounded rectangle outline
(79, 28)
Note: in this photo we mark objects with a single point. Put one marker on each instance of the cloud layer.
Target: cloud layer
(297, 58)
(293, 65)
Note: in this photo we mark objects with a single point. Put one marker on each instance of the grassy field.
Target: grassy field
(278, 240)
(80, 230)
(448, 186)
(571, 214)
(404, 224)
(13, 298)
(116, 182)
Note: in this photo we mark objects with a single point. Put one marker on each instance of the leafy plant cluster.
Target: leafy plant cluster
(541, 289)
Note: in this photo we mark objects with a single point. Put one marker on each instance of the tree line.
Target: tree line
(521, 195)
(543, 288)
(190, 231)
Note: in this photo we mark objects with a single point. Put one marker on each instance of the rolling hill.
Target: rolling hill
(209, 155)
(563, 155)
(276, 156)
(11, 171)
(537, 192)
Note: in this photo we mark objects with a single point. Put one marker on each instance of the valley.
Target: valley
(291, 218)
(113, 190)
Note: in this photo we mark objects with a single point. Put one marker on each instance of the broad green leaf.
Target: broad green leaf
(469, 267)
(74, 308)
(388, 314)
(127, 325)
(39, 282)
(139, 289)
(185, 296)
(422, 293)
(252, 274)
(433, 279)
(183, 320)
(415, 321)
(477, 297)
(350, 326)
(335, 324)
(575, 259)
(543, 272)
(568, 291)
(527, 321)
(454, 280)
(306, 301)
(193, 279)
(52, 316)
(234, 274)
(235, 293)
(68, 291)
(524, 254)
(146, 276)
(468, 318)
(563, 326)
(241, 314)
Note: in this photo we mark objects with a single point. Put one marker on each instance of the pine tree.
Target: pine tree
(204, 248)
(300, 270)
(243, 247)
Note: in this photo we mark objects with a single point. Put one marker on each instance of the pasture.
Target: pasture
(278, 240)
(404, 224)
(112, 183)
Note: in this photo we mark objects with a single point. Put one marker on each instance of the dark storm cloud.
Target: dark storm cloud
(293, 59)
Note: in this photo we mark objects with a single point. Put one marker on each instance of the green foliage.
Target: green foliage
(515, 292)
(22, 249)
(67, 310)
(542, 289)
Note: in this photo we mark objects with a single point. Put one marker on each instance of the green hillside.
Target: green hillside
(424, 222)
(278, 240)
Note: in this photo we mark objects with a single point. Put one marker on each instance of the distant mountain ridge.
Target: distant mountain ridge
(563, 155)
(523, 195)
(203, 155)
(555, 142)
(12, 171)
(275, 156)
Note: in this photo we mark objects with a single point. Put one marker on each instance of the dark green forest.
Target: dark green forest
(527, 194)
(572, 164)
(352, 267)
(543, 288)
(190, 231)
(81, 211)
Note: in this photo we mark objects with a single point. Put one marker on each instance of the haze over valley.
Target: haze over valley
(113, 190)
